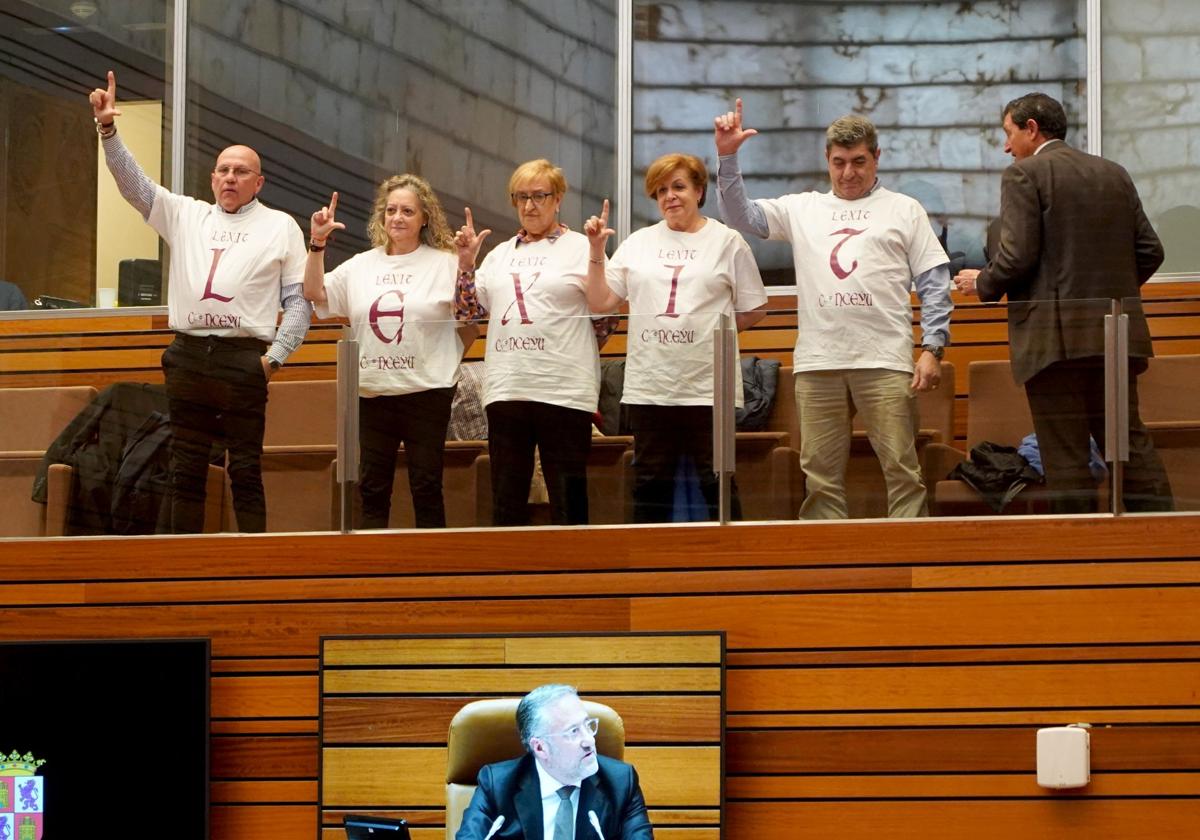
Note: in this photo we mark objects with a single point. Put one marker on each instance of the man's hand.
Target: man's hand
(268, 371)
(964, 281)
(928, 372)
(104, 101)
(728, 132)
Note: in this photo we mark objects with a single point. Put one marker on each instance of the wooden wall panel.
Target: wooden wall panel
(940, 819)
(385, 714)
(884, 679)
(103, 350)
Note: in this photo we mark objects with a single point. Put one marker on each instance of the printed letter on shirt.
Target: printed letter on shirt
(520, 301)
(209, 294)
(671, 313)
(377, 311)
(848, 233)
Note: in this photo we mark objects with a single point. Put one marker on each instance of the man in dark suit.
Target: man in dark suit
(560, 789)
(1073, 238)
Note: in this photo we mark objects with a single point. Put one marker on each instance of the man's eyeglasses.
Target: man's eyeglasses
(238, 172)
(538, 198)
(591, 726)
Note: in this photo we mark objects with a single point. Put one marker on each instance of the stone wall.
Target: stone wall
(932, 76)
(1151, 115)
(459, 92)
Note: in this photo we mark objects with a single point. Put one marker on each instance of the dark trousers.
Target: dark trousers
(663, 435)
(217, 392)
(1066, 400)
(563, 437)
(419, 421)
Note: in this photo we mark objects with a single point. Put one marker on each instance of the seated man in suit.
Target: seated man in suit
(560, 789)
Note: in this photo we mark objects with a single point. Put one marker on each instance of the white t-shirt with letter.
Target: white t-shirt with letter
(678, 284)
(401, 313)
(855, 263)
(227, 269)
(540, 342)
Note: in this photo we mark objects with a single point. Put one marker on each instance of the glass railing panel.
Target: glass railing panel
(68, 239)
(1162, 470)
(155, 431)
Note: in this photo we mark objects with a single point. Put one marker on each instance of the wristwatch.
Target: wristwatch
(274, 365)
(936, 350)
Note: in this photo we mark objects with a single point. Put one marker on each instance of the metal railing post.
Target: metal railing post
(1116, 400)
(347, 427)
(724, 424)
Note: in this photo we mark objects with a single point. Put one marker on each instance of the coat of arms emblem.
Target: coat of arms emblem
(22, 797)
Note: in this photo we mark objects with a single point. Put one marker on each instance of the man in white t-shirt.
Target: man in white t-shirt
(233, 264)
(858, 250)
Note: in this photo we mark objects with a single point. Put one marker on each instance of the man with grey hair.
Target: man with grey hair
(858, 251)
(561, 788)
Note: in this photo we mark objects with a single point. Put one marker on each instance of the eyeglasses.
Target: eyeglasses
(538, 198)
(591, 726)
(238, 172)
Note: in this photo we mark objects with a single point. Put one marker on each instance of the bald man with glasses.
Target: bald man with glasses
(561, 789)
(234, 264)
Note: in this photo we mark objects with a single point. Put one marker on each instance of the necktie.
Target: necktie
(564, 820)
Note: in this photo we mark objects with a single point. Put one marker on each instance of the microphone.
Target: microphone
(595, 821)
(495, 827)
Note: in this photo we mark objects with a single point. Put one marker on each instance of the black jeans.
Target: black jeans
(563, 437)
(1066, 400)
(662, 436)
(419, 421)
(217, 393)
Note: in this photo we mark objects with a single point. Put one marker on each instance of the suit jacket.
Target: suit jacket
(1073, 237)
(511, 788)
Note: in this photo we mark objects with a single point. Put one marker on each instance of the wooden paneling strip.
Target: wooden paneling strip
(1021, 785)
(637, 650)
(971, 687)
(922, 618)
(516, 680)
(374, 777)
(264, 757)
(416, 720)
(301, 792)
(1038, 819)
(459, 651)
(259, 696)
(972, 717)
(957, 750)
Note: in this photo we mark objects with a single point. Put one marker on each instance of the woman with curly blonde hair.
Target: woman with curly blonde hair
(399, 299)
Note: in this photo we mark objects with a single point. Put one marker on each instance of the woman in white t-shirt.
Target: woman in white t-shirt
(542, 360)
(679, 276)
(399, 299)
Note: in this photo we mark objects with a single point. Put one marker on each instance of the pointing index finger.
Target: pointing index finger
(737, 109)
(604, 215)
(470, 220)
(112, 85)
(333, 203)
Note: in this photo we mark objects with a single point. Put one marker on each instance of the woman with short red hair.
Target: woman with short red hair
(679, 276)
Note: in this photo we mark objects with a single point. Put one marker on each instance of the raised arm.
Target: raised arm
(601, 299)
(321, 226)
(736, 209)
(133, 184)
(466, 302)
